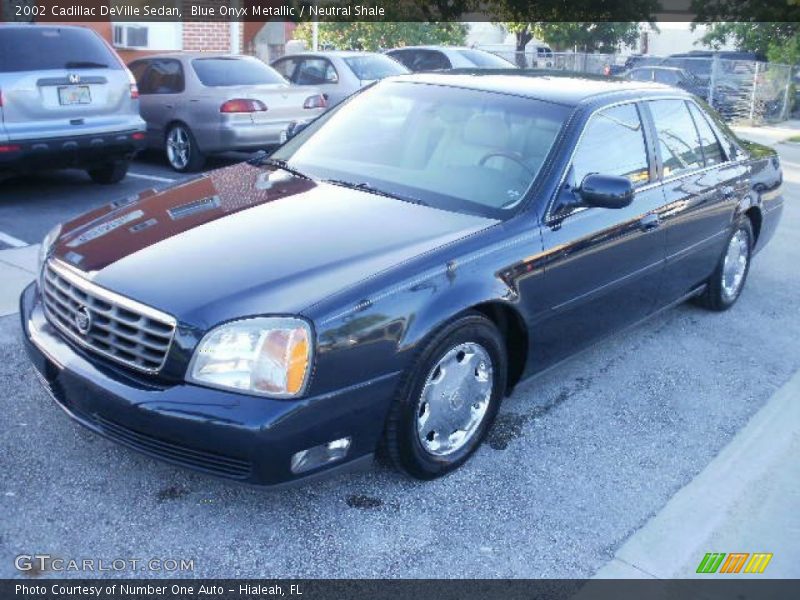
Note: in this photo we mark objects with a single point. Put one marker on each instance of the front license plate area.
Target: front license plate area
(69, 95)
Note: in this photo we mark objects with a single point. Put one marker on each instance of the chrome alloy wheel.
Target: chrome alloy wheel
(734, 266)
(178, 147)
(454, 399)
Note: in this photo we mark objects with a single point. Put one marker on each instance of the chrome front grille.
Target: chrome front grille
(106, 323)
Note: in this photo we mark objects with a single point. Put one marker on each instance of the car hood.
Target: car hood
(248, 240)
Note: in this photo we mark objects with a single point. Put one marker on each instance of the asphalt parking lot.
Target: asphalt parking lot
(580, 458)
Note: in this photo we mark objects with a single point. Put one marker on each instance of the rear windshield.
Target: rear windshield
(38, 48)
(370, 68)
(219, 72)
(485, 59)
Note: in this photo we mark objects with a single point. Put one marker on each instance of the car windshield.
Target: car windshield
(453, 148)
(226, 71)
(374, 66)
(486, 59)
(38, 48)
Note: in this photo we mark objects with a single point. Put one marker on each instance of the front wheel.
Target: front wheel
(727, 282)
(112, 172)
(448, 399)
(182, 151)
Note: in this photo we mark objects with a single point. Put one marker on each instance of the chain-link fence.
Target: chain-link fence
(742, 91)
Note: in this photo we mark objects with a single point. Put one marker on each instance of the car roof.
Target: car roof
(435, 47)
(560, 88)
(191, 55)
(330, 53)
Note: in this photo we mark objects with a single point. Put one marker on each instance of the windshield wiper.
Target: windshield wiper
(366, 187)
(259, 161)
(87, 64)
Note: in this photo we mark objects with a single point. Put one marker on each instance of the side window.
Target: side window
(164, 76)
(712, 151)
(668, 77)
(315, 71)
(138, 69)
(285, 67)
(613, 144)
(431, 60)
(404, 57)
(677, 137)
(642, 75)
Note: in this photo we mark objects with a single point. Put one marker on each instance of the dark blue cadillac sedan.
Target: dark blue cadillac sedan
(387, 276)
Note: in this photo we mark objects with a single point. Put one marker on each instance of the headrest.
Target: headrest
(487, 130)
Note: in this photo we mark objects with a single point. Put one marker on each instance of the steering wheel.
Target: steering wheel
(509, 155)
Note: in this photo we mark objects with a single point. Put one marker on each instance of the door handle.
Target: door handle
(649, 222)
(169, 106)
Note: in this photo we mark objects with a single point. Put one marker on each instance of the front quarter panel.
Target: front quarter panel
(377, 327)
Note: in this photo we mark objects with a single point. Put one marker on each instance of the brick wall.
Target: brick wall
(204, 36)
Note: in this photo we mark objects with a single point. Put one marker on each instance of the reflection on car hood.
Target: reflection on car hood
(250, 240)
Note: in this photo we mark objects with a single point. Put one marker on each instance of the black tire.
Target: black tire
(112, 172)
(194, 159)
(401, 442)
(715, 297)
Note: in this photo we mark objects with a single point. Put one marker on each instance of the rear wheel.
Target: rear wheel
(181, 148)
(448, 399)
(727, 282)
(112, 172)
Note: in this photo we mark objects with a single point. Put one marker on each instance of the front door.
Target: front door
(603, 267)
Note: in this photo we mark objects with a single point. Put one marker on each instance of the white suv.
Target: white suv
(66, 100)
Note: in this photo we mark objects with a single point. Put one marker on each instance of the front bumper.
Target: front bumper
(225, 434)
(82, 151)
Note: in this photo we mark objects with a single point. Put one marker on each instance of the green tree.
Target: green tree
(769, 29)
(583, 23)
(368, 35)
(775, 41)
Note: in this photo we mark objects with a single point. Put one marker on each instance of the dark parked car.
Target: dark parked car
(442, 58)
(670, 76)
(389, 274)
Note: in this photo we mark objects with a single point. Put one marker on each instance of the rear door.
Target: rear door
(701, 188)
(161, 83)
(62, 81)
(603, 267)
(320, 73)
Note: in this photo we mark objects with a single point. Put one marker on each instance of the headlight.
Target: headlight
(267, 356)
(47, 244)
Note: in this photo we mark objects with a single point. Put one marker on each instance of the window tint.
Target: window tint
(162, 76)
(404, 56)
(430, 60)
(138, 68)
(642, 75)
(224, 71)
(373, 67)
(668, 77)
(38, 48)
(613, 144)
(677, 137)
(712, 151)
(285, 67)
(486, 60)
(315, 71)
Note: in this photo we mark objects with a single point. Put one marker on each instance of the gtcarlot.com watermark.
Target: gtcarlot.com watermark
(34, 564)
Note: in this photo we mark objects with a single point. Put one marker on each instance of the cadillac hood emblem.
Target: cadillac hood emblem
(83, 320)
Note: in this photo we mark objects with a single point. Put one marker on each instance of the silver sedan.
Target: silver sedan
(200, 104)
(337, 73)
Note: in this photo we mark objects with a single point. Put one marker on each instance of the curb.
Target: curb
(745, 500)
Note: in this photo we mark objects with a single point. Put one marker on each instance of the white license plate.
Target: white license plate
(74, 94)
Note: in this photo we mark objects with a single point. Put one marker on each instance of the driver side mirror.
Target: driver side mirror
(606, 191)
